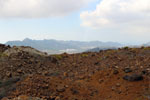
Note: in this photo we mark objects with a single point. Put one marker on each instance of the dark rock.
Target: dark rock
(100, 81)
(127, 70)
(119, 91)
(96, 63)
(144, 72)
(74, 91)
(133, 77)
(3, 47)
(115, 72)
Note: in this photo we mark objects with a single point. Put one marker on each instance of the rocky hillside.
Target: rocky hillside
(28, 74)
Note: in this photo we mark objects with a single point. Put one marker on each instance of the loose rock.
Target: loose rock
(133, 77)
(127, 70)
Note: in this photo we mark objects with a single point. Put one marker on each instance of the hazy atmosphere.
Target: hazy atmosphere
(123, 21)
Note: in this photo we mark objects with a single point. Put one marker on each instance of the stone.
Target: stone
(113, 88)
(127, 70)
(23, 97)
(100, 81)
(65, 74)
(118, 85)
(119, 91)
(116, 67)
(96, 63)
(60, 88)
(133, 77)
(74, 91)
(115, 72)
(144, 72)
(57, 98)
(8, 74)
(5, 98)
(19, 71)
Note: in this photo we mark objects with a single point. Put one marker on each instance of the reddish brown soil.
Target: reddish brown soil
(85, 76)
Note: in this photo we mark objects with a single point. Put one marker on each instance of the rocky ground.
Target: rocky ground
(28, 74)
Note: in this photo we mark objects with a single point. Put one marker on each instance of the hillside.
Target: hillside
(28, 74)
(57, 47)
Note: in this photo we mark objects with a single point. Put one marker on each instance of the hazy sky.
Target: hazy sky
(124, 21)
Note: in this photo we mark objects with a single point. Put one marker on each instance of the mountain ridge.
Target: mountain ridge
(59, 46)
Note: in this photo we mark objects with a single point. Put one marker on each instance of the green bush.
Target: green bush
(126, 48)
(146, 48)
(84, 55)
(58, 56)
(3, 55)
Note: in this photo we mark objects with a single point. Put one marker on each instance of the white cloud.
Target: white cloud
(39, 8)
(119, 14)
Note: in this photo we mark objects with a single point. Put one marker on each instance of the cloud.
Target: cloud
(119, 14)
(39, 8)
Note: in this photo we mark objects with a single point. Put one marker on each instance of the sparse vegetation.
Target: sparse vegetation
(58, 56)
(3, 55)
(146, 48)
(126, 48)
(84, 55)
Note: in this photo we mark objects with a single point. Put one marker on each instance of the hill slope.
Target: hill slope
(122, 74)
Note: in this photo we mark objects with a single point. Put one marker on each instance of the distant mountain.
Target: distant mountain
(56, 46)
(146, 44)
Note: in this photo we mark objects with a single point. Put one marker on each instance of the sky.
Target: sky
(123, 21)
